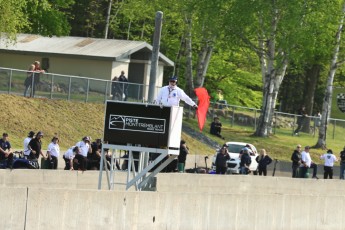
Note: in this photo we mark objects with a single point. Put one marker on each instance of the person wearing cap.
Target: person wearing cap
(53, 152)
(69, 157)
(305, 163)
(182, 157)
(6, 150)
(296, 161)
(85, 148)
(170, 95)
(342, 164)
(329, 159)
(35, 146)
(26, 142)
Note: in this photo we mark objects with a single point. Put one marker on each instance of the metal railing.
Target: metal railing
(58, 86)
(283, 123)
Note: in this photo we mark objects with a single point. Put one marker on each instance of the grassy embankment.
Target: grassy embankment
(73, 120)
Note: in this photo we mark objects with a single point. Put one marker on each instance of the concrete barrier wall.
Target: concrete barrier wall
(13, 208)
(239, 184)
(59, 179)
(98, 210)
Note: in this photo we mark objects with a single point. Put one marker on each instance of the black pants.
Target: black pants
(54, 162)
(221, 169)
(67, 163)
(81, 162)
(263, 171)
(295, 171)
(328, 172)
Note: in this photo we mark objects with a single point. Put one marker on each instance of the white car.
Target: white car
(234, 149)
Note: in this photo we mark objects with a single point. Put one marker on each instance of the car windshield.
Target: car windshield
(235, 148)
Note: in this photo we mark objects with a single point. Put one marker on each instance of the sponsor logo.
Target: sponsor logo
(138, 124)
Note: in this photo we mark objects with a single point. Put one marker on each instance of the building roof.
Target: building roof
(78, 46)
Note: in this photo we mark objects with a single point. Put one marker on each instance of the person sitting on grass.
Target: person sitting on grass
(216, 128)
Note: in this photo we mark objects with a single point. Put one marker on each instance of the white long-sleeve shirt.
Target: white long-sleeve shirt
(171, 96)
(305, 157)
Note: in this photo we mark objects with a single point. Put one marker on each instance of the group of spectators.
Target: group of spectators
(302, 163)
(84, 155)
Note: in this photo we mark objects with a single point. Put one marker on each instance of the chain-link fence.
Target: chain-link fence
(283, 123)
(57, 86)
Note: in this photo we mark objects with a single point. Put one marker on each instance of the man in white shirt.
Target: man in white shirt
(69, 156)
(305, 162)
(170, 95)
(27, 140)
(85, 148)
(329, 159)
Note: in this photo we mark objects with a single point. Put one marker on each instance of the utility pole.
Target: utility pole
(155, 55)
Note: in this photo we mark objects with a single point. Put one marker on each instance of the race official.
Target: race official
(170, 95)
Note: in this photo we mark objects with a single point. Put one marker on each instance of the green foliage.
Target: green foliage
(13, 19)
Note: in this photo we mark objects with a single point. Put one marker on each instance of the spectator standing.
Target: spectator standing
(26, 143)
(342, 164)
(296, 161)
(69, 157)
(81, 157)
(184, 151)
(245, 162)
(33, 78)
(116, 90)
(221, 160)
(263, 160)
(53, 152)
(216, 128)
(305, 162)
(329, 159)
(301, 119)
(124, 86)
(35, 146)
(6, 150)
(170, 95)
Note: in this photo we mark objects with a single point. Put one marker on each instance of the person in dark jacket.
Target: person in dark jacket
(245, 162)
(184, 150)
(263, 160)
(296, 161)
(221, 159)
(342, 164)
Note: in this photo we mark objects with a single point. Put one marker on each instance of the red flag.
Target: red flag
(204, 102)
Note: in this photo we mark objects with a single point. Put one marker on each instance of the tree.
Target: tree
(13, 18)
(327, 103)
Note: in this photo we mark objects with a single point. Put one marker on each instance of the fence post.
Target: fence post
(294, 123)
(233, 116)
(254, 119)
(51, 86)
(69, 89)
(334, 124)
(106, 91)
(275, 122)
(10, 83)
(87, 90)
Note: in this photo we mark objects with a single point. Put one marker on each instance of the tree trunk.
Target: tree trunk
(189, 63)
(312, 77)
(107, 19)
(203, 62)
(327, 102)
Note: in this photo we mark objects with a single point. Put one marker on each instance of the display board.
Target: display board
(338, 103)
(147, 125)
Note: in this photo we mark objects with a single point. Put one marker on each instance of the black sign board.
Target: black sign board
(134, 123)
